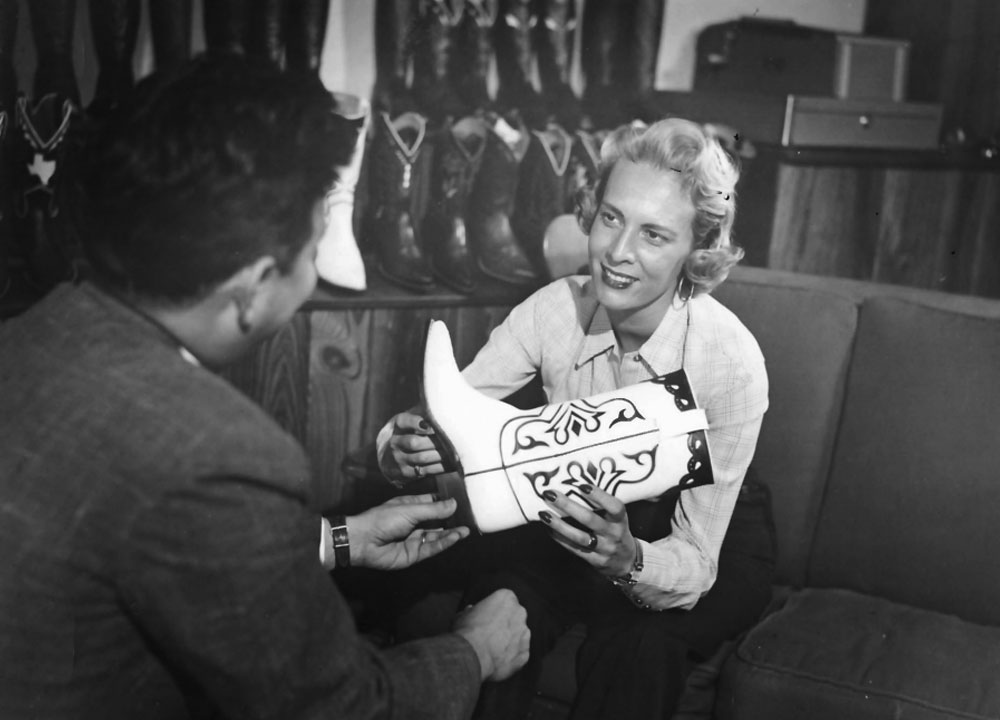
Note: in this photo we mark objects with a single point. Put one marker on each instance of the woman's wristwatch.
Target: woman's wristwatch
(630, 578)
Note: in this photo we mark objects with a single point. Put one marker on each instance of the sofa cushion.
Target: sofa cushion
(805, 329)
(912, 501)
(839, 654)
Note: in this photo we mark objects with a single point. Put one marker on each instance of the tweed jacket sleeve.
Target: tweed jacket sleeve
(226, 581)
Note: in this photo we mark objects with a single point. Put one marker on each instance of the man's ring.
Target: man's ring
(592, 545)
(418, 470)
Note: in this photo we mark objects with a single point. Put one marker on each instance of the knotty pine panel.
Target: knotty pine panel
(825, 220)
(917, 225)
(274, 375)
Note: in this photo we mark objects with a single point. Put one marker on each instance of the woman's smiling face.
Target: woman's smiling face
(641, 236)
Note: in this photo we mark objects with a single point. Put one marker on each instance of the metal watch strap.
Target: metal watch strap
(341, 541)
(630, 578)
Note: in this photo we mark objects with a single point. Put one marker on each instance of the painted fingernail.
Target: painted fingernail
(587, 489)
(423, 425)
(545, 517)
(549, 495)
(436, 497)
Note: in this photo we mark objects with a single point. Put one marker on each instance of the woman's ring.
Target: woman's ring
(592, 545)
(418, 470)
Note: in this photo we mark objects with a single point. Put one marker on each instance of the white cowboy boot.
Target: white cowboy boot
(635, 443)
(338, 259)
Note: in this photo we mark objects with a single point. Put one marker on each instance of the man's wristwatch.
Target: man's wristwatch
(341, 541)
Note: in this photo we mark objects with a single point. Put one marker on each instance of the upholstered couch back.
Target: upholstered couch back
(882, 442)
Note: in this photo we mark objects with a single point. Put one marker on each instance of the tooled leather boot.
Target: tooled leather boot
(584, 166)
(396, 149)
(554, 40)
(305, 31)
(394, 28)
(602, 96)
(44, 132)
(433, 48)
(541, 189)
(514, 31)
(9, 12)
(498, 251)
(170, 28)
(115, 25)
(265, 34)
(635, 443)
(338, 258)
(52, 25)
(457, 155)
(473, 54)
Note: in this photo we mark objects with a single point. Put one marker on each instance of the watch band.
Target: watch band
(341, 541)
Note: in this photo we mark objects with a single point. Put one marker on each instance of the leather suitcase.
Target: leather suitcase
(777, 57)
(832, 122)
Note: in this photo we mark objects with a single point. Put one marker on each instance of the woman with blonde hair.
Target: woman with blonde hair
(660, 584)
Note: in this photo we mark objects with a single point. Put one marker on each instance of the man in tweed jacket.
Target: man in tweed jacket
(161, 553)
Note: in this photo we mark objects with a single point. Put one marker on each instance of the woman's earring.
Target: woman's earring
(685, 289)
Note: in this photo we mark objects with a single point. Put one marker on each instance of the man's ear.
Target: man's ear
(249, 291)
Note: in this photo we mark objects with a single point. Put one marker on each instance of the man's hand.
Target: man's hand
(497, 630)
(386, 537)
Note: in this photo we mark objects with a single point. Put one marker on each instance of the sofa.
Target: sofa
(881, 450)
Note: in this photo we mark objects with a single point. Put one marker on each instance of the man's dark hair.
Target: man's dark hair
(200, 173)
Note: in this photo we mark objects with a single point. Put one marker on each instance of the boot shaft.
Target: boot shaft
(541, 189)
(170, 28)
(496, 182)
(473, 52)
(396, 149)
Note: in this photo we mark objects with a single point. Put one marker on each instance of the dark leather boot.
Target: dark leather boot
(115, 24)
(6, 233)
(265, 37)
(473, 54)
(9, 12)
(541, 189)
(554, 41)
(304, 34)
(458, 152)
(43, 227)
(433, 47)
(396, 150)
(584, 166)
(170, 27)
(603, 98)
(52, 25)
(498, 252)
(514, 31)
(394, 29)
(644, 40)
(226, 24)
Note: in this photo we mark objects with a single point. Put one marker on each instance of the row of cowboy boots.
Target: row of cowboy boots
(473, 197)
(435, 57)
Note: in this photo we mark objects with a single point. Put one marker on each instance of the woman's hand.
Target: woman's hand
(601, 536)
(386, 536)
(410, 453)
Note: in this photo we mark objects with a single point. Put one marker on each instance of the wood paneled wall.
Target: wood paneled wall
(932, 228)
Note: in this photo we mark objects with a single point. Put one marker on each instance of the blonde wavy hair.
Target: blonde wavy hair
(707, 172)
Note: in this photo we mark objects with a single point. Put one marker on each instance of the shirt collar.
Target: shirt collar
(662, 351)
(599, 338)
